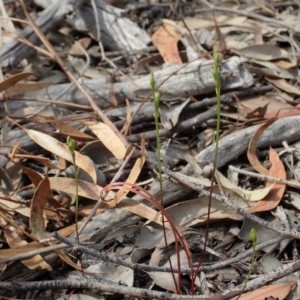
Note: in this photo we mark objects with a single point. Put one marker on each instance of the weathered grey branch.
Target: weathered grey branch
(190, 79)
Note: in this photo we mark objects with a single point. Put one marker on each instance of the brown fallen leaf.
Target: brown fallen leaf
(109, 139)
(15, 241)
(273, 198)
(26, 87)
(13, 206)
(166, 38)
(66, 130)
(264, 52)
(279, 291)
(37, 220)
(27, 247)
(251, 151)
(67, 185)
(266, 107)
(284, 85)
(10, 81)
(133, 176)
(54, 146)
(36, 178)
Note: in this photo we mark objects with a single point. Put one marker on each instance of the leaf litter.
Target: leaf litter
(118, 217)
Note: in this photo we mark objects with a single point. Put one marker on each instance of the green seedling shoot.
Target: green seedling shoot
(217, 81)
(71, 146)
(157, 96)
(253, 239)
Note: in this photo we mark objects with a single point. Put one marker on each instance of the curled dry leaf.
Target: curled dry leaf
(277, 189)
(194, 212)
(251, 152)
(255, 195)
(54, 146)
(20, 249)
(36, 178)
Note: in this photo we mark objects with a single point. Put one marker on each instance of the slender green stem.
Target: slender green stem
(157, 96)
(71, 146)
(254, 244)
(217, 81)
(253, 239)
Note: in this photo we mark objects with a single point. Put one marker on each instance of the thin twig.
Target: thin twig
(142, 267)
(265, 177)
(146, 293)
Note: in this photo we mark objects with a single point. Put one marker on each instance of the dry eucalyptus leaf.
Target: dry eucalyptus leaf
(133, 176)
(280, 291)
(14, 240)
(264, 52)
(109, 138)
(37, 220)
(54, 146)
(111, 272)
(272, 200)
(12, 80)
(255, 195)
(251, 151)
(166, 38)
(68, 186)
(26, 87)
(164, 280)
(285, 86)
